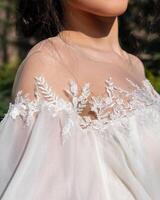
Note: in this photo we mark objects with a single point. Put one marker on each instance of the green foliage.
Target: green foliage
(7, 74)
(155, 80)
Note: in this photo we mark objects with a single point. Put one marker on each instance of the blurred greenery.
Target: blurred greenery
(7, 74)
(135, 33)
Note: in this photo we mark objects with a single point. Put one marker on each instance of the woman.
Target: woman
(83, 123)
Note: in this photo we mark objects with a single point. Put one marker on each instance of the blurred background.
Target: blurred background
(136, 33)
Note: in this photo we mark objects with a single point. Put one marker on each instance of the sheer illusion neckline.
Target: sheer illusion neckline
(114, 95)
(117, 105)
(78, 94)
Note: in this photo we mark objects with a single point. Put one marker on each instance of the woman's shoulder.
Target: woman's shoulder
(48, 47)
(138, 64)
(43, 59)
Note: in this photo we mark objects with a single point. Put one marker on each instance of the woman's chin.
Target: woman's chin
(109, 13)
(106, 8)
(114, 10)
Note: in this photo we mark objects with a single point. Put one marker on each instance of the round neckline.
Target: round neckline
(101, 58)
(82, 49)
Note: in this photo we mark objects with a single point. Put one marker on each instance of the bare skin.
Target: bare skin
(93, 27)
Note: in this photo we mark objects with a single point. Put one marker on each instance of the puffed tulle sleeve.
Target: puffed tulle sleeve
(44, 154)
(34, 163)
(38, 161)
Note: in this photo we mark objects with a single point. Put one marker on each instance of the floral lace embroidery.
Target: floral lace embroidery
(23, 108)
(78, 102)
(116, 104)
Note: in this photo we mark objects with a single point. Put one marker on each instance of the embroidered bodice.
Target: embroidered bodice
(117, 103)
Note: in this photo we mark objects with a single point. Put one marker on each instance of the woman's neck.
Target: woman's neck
(88, 30)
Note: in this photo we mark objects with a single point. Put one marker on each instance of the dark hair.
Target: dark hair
(40, 18)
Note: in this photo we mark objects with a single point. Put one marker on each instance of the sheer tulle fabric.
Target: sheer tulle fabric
(48, 151)
(124, 164)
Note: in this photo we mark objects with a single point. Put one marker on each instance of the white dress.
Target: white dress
(49, 151)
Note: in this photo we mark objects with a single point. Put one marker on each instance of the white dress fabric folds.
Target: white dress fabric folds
(49, 151)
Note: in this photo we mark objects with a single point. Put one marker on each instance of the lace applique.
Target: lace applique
(23, 108)
(78, 102)
(116, 104)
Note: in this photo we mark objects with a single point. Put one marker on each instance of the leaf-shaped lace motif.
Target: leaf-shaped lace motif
(43, 89)
(79, 102)
(23, 107)
(117, 103)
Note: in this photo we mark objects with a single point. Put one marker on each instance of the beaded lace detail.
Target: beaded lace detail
(116, 104)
